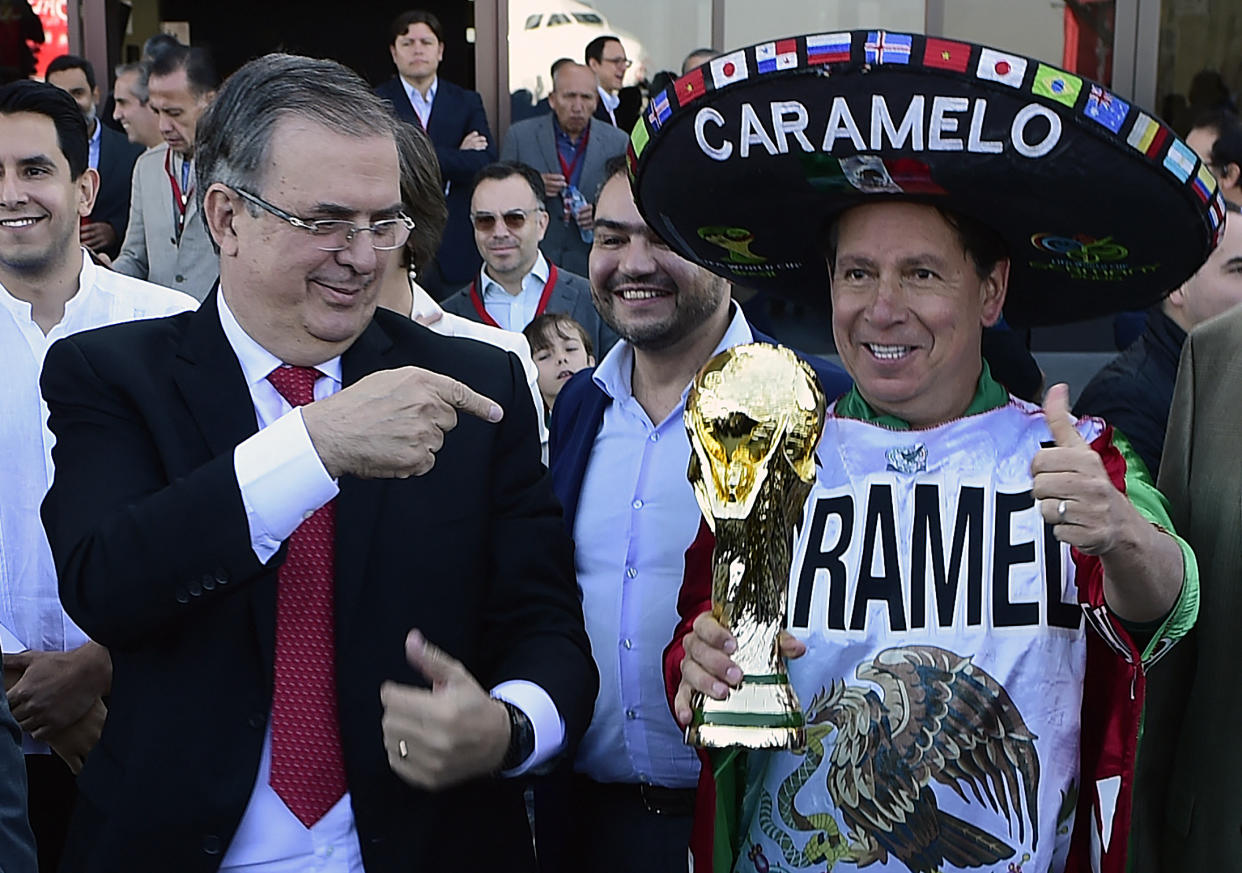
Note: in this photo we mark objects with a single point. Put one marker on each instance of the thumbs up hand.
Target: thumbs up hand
(447, 734)
(1075, 494)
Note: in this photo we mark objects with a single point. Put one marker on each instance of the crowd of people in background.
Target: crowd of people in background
(156, 468)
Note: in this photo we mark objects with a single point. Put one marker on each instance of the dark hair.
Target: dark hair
(614, 166)
(72, 62)
(234, 134)
(26, 95)
(984, 246)
(595, 48)
(558, 63)
(157, 45)
(402, 23)
(200, 68)
(543, 330)
(422, 195)
(507, 169)
(1227, 149)
(142, 69)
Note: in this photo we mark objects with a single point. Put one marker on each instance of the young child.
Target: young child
(560, 347)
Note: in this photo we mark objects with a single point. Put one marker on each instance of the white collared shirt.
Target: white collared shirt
(282, 482)
(422, 105)
(514, 311)
(31, 616)
(610, 102)
(637, 515)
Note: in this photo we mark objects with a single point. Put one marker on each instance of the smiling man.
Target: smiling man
(167, 242)
(517, 283)
(618, 456)
(238, 496)
(133, 110)
(978, 584)
(56, 676)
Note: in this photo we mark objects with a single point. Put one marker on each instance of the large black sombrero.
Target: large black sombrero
(739, 164)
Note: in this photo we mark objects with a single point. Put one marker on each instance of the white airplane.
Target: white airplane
(543, 31)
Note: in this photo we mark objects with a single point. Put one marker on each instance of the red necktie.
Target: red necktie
(308, 770)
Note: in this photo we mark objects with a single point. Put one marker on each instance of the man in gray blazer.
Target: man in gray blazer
(517, 282)
(569, 149)
(166, 241)
(1193, 706)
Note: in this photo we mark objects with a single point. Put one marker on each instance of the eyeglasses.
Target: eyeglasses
(622, 62)
(514, 219)
(335, 235)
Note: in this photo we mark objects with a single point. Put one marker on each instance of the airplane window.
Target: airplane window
(557, 18)
(587, 18)
(532, 21)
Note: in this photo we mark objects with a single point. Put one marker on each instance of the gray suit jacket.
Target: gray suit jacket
(533, 142)
(1190, 760)
(571, 295)
(151, 250)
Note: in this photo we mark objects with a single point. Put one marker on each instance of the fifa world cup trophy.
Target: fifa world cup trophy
(754, 415)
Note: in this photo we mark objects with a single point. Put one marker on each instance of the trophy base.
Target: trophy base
(761, 713)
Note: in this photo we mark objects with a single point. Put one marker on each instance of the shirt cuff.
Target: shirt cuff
(282, 482)
(548, 725)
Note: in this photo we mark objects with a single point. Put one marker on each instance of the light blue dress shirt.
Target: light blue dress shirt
(514, 311)
(422, 105)
(637, 515)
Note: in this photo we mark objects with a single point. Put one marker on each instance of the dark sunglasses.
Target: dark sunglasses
(515, 219)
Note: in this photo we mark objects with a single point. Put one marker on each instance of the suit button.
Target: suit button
(222, 578)
(195, 589)
(208, 582)
(182, 596)
(179, 277)
(211, 844)
(256, 720)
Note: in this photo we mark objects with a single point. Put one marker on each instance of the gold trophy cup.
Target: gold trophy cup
(755, 415)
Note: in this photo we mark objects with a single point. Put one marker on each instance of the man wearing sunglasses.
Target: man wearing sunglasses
(517, 282)
(317, 535)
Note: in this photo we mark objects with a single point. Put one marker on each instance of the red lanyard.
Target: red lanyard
(567, 170)
(543, 298)
(180, 198)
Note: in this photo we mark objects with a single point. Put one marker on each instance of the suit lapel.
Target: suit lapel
(359, 500)
(545, 141)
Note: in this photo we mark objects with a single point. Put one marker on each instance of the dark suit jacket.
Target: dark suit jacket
(571, 295)
(17, 847)
(454, 113)
(579, 412)
(117, 156)
(627, 110)
(533, 142)
(153, 553)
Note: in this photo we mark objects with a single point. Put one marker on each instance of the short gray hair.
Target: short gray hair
(143, 69)
(235, 132)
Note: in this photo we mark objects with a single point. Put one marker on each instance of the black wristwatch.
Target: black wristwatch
(521, 737)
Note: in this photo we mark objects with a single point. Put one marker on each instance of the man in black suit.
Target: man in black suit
(225, 516)
(112, 155)
(618, 105)
(454, 119)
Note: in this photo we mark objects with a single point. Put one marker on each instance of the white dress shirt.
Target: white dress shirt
(514, 311)
(422, 105)
(610, 102)
(637, 515)
(31, 616)
(282, 482)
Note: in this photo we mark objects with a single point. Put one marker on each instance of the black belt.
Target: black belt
(655, 799)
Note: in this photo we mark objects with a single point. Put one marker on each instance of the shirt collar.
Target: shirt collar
(256, 361)
(21, 309)
(611, 101)
(539, 271)
(410, 90)
(989, 395)
(615, 371)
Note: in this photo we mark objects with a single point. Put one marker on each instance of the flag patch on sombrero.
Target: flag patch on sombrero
(659, 111)
(999, 67)
(1056, 84)
(945, 54)
(728, 69)
(883, 47)
(1147, 136)
(1180, 161)
(1108, 109)
(828, 48)
(1205, 183)
(690, 87)
(773, 56)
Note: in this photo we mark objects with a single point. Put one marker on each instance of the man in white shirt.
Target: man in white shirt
(296, 640)
(517, 283)
(618, 105)
(49, 288)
